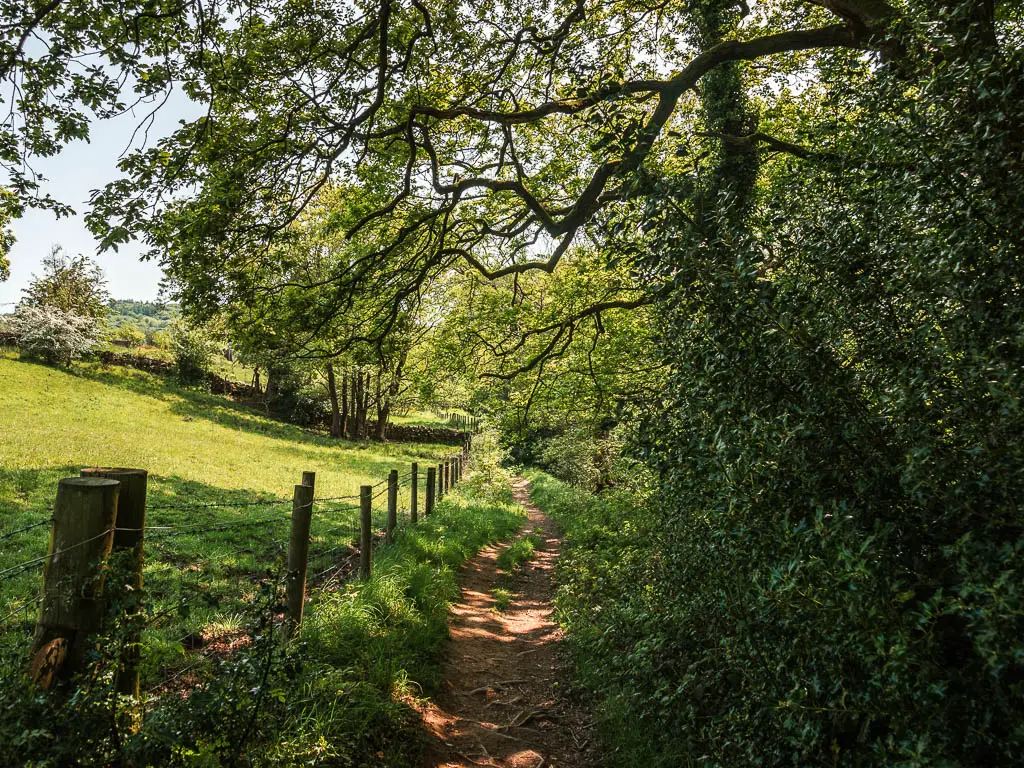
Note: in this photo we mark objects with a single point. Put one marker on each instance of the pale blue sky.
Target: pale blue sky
(82, 167)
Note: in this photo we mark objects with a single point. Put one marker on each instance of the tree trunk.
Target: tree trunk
(383, 406)
(332, 391)
(364, 403)
(345, 411)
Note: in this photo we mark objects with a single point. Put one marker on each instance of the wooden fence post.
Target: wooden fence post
(392, 521)
(414, 480)
(71, 609)
(365, 530)
(440, 481)
(129, 537)
(298, 556)
(431, 488)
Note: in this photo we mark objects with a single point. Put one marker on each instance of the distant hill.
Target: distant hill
(149, 316)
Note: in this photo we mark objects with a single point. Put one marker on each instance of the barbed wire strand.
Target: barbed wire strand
(28, 563)
(22, 609)
(9, 534)
(208, 505)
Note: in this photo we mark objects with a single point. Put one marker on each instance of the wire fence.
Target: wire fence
(200, 577)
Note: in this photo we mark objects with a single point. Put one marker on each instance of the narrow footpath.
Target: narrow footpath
(505, 699)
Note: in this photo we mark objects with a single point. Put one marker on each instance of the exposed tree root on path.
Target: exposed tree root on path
(505, 701)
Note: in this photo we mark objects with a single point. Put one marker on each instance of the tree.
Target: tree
(72, 284)
(8, 211)
(132, 335)
(53, 335)
(193, 348)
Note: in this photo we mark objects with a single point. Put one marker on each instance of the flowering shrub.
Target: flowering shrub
(54, 335)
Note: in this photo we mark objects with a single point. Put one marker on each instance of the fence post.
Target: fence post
(392, 521)
(365, 530)
(440, 482)
(84, 516)
(414, 480)
(298, 556)
(128, 537)
(431, 487)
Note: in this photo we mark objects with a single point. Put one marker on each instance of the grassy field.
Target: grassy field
(221, 480)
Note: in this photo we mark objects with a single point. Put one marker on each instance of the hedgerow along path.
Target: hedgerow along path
(504, 700)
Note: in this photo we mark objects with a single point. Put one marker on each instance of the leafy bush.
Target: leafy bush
(54, 335)
(571, 456)
(193, 349)
(131, 334)
(161, 340)
(73, 284)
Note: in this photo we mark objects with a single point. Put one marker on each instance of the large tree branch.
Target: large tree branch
(669, 92)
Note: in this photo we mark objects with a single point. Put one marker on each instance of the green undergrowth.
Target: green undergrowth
(610, 613)
(339, 695)
(518, 552)
(502, 598)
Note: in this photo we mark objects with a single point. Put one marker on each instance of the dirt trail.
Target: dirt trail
(505, 700)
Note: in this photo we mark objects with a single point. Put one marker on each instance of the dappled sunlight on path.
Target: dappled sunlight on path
(504, 701)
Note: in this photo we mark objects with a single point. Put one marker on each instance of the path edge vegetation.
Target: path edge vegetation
(341, 694)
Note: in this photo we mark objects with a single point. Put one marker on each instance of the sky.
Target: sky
(71, 175)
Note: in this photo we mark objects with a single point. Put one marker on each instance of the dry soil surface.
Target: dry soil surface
(505, 699)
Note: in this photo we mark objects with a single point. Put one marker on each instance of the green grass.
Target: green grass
(232, 370)
(420, 419)
(198, 449)
(519, 552)
(339, 695)
(502, 598)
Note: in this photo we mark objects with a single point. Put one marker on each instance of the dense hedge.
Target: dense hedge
(830, 571)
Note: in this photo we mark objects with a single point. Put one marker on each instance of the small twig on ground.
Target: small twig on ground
(494, 686)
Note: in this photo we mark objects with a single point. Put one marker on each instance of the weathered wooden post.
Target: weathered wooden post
(71, 609)
(129, 536)
(298, 556)
(447, 475)
(431, 487)
(392, 520)
(414, 481)
(365, 531)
